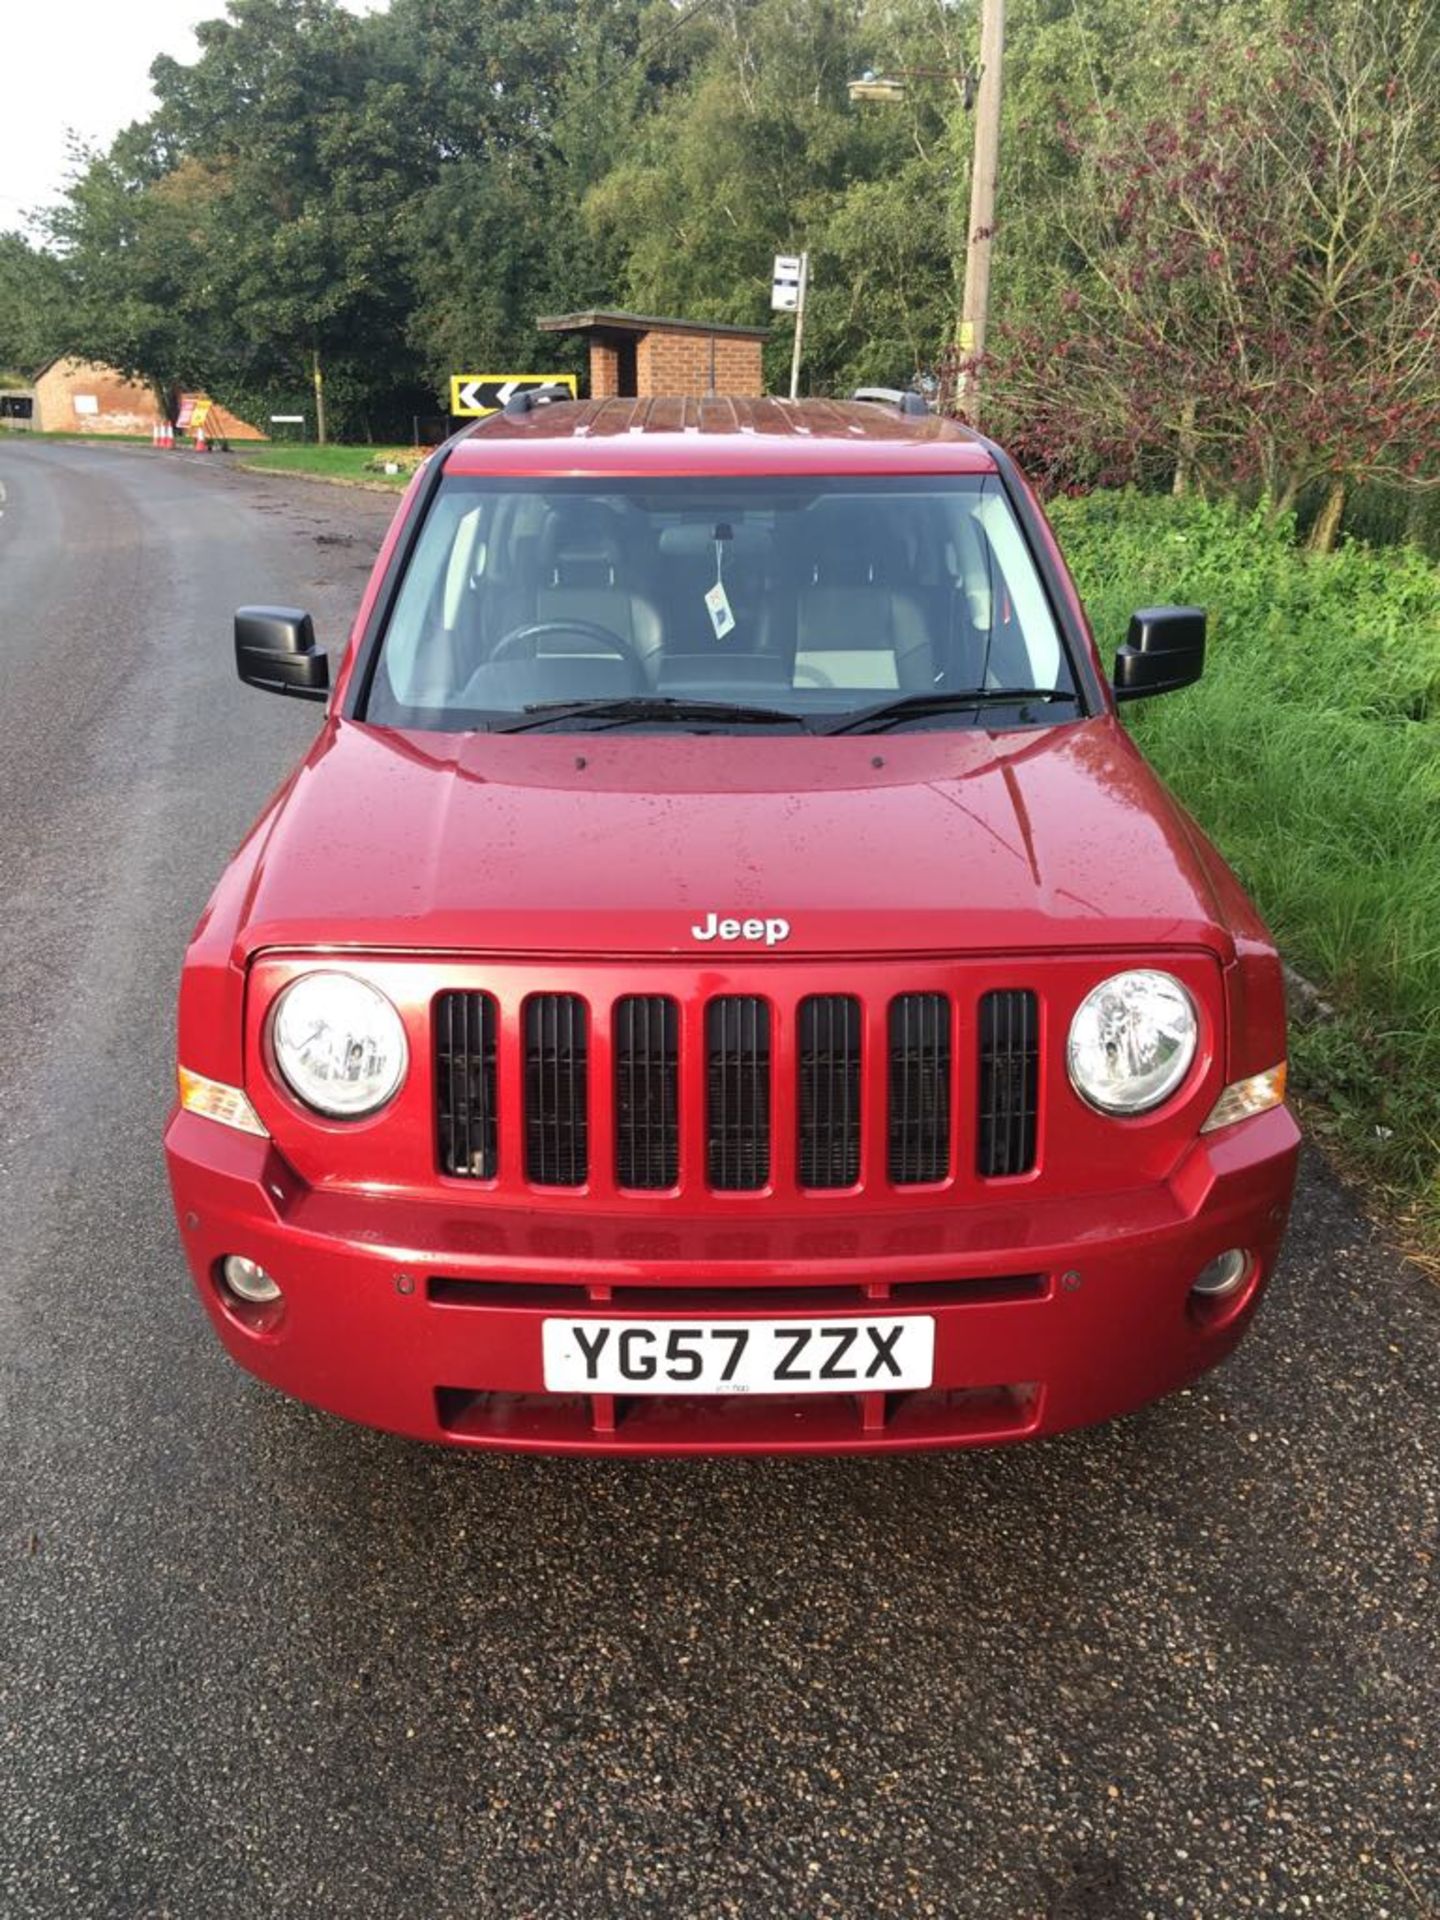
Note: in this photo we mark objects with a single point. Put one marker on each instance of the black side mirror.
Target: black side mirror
(1164, 650)
(275, 649)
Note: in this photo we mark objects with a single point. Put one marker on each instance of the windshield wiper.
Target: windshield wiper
(618, 713)
(916, 706)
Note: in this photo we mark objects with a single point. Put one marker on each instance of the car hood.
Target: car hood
(623, 842)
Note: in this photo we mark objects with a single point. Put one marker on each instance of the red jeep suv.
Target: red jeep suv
(723, 978)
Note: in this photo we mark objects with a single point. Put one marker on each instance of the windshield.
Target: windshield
(672, 602)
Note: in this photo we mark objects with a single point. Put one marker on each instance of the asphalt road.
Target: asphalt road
(256, 1663)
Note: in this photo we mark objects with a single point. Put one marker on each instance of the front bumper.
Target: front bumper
(424, 1317)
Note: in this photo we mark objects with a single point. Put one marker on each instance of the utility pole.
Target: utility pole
(319, 379)
(975, 309)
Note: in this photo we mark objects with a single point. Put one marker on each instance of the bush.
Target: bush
(1311, 753)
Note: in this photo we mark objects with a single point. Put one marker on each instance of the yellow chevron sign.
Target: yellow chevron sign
(474, 395)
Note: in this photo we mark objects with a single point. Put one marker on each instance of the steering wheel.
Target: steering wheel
(812, 677)
(523, 642)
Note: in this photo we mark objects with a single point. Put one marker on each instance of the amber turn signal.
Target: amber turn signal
(216, 1101)
(1244, 1098)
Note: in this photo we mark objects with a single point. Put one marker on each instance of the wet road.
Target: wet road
(257, 1663)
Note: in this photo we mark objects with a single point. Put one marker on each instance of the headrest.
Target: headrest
(846, 548)
(581, 545)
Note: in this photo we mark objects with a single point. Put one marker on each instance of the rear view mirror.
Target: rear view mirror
(1164, 650)
(275, 649)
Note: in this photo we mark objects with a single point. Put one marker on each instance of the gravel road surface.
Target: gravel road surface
(255, 1663)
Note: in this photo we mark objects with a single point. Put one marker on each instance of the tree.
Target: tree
(1255, 296)
(516, 112)
(134, 240)
(35, 297)
(758, 153)
(309, 157)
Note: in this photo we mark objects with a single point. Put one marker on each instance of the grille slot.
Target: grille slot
(1009, 1082)
(647, 1091)
(829, 1090)
(737, 1072)
(556, 1090)
(919, 1088)
(465, 1084)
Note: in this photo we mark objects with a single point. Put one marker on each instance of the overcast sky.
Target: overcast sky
(82, 66)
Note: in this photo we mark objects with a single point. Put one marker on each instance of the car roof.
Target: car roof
(718, 435)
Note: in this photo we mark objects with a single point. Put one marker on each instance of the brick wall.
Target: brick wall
(120, 405)
(604, 371)
(681, 363)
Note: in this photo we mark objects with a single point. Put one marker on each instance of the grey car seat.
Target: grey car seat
(857, 623)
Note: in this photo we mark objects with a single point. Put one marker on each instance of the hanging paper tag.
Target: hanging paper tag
(717, 603)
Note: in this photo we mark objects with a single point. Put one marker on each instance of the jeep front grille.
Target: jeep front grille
(741, 1093)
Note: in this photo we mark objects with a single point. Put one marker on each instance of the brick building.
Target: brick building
(81, 396)
(636, 355)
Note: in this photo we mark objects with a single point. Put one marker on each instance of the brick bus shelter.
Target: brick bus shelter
(637, 355)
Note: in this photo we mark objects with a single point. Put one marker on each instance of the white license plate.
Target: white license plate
(739, 1356)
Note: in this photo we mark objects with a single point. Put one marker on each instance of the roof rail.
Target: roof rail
(532, 397)
(907, 402)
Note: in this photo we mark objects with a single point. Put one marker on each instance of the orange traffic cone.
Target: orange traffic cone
(201, 445)
(167, 435)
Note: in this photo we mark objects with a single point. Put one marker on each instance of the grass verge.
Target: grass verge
(89, 439)
(348, 466)
(1311, 753)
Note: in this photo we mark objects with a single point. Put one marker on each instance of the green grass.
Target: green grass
(93, 439)
(361, 466)
(1311, 753)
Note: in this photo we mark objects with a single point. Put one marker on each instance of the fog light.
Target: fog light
(247, 1281)
(1223, 1275)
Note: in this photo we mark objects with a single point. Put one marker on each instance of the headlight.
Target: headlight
(339, 1044)
(1132, 1042)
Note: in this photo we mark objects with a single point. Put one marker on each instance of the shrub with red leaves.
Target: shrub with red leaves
(1257, 300)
